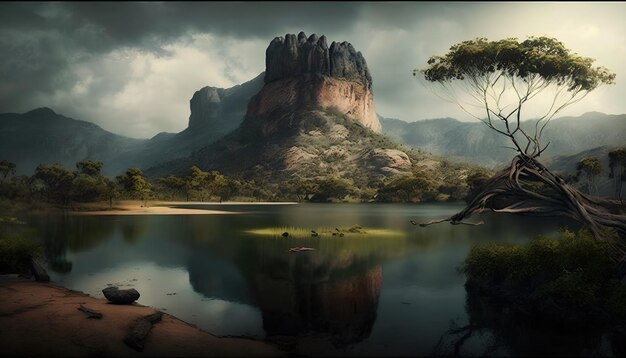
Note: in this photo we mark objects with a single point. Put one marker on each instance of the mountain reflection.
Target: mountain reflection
(331, 291)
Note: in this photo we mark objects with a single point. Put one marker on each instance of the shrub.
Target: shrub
(573, 269)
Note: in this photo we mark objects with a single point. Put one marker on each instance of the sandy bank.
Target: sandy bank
(42, 320)
(163, 208)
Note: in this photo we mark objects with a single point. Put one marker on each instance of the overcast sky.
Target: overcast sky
(132, 67)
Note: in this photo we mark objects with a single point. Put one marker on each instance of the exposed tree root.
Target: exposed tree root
(528, 187)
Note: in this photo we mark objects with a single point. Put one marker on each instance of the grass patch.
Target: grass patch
(573, 270)
(325, 232)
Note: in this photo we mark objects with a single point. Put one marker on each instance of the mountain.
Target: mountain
(43, 136)
(476, 143)
(313, 118)
(214, 113)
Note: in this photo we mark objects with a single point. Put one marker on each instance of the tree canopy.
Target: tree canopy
(501, 76)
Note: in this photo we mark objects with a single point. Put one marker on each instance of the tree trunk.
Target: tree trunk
(528, 187)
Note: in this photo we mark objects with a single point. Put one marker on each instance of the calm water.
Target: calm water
(360, 296)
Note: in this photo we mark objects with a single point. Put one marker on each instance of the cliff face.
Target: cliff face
(221, 110)
(306, 73)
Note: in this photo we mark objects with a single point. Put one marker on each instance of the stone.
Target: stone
(120, 297)
(389, 161)
(296, 55)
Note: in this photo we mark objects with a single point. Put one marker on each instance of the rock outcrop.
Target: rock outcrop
(292, 56)
(221, 109)
(305, 72)
(389, 161)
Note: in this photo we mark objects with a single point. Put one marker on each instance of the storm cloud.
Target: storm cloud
(132, 67)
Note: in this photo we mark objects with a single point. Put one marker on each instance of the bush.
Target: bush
(14, 250)
(15, 245)
(574, 270)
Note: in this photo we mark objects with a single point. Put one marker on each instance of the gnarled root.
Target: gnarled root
(528, 187)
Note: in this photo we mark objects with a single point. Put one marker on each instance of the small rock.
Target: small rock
(121, 297)
(285, 234)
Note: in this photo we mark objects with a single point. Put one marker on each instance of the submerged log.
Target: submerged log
(139, 329)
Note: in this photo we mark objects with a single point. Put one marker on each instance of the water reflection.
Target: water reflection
(494, 329)
(363, 296)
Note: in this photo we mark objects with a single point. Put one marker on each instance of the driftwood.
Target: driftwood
(528, 187)
(90, 312)
(139, 329)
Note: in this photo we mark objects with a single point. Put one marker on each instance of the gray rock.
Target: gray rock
(121, 297)
(296, 55)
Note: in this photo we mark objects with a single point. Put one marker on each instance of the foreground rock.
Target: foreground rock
(42, 320)
(121, 297)
(138, 331)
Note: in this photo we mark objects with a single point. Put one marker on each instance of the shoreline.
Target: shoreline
(45, 321)
(130, 207)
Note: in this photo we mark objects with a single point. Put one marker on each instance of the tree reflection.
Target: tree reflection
(498, 327)
(62, 233)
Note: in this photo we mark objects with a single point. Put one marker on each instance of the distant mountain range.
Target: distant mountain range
(476, 143)
(43, 136)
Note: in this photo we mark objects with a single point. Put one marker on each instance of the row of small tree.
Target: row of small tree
(56, 184)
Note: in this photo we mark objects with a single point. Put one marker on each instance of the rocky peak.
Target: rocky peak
(222, 109)
(204, 105)
(295, 55)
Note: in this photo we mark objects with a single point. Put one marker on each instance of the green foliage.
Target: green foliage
(89, 167)
(135, 184)
(573, 269)
(56, 182)
(476, 181)
(332, 188)
(412, 187)
(173, 186)
(15, 245)
(542, 56)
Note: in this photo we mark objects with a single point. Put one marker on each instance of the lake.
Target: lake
(367, 295)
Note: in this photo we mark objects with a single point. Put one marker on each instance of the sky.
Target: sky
(131, 68)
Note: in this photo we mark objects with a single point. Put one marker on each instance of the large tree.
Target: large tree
(499, 79)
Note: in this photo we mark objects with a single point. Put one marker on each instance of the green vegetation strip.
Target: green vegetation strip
(573, 270)
(325, 232)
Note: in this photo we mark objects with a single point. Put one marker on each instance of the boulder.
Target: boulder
(120, 297)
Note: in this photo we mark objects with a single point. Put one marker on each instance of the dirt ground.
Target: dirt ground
(40, 319)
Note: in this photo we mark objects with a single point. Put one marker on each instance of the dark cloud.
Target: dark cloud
(82, 57)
